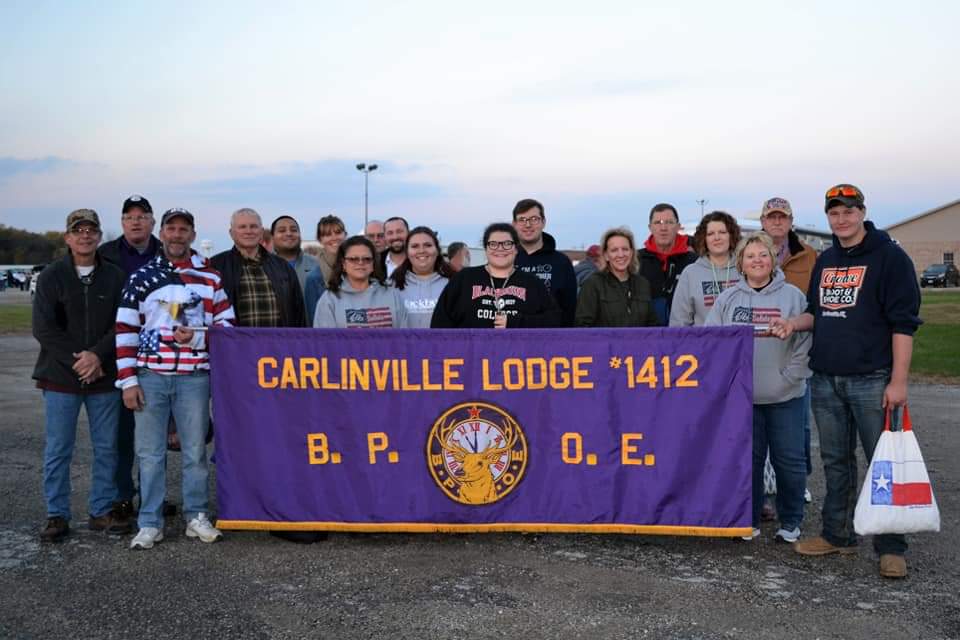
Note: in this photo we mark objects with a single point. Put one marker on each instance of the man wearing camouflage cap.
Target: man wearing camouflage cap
(73, 320)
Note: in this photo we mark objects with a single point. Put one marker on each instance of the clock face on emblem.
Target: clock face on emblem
(477, 453)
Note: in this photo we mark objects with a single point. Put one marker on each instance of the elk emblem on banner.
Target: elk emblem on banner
(477, 453)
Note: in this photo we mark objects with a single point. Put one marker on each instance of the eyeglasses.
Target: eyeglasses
(668, 223)
(501, 244)
(531, 220)
(85, 231)
(359, 260)
(844, 190)
(127, 218)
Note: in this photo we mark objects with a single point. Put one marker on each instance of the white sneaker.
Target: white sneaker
(807, 496)
(146, 538)
(785, 535)
(201, 528)
(753, 534)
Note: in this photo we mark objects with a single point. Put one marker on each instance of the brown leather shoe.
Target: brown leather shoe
(55, 529)
(892, 566)
(100, 523)
(820, 547)
(121, 519)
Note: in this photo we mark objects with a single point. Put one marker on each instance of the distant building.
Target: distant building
(932, 237)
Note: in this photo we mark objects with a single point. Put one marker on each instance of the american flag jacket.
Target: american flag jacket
(156, 299)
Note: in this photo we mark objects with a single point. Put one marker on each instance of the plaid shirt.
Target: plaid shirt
(257, 304)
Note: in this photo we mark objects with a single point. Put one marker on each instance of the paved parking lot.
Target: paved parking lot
(454, 586)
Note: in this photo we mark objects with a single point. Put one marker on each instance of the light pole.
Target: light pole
(366, 178)
(702, 203)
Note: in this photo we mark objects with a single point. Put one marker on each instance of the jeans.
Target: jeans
(779, 428)
(125, 455)
(62, 411)
(845, 407)
(806, 429)
(187, 398)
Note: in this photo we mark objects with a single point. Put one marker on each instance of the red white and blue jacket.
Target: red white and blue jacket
(156, 299)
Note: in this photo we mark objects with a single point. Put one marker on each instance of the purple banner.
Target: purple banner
(599, 430)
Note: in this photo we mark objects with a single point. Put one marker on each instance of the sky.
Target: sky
(599, 110)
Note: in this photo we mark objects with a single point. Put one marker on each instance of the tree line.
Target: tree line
(18, 246)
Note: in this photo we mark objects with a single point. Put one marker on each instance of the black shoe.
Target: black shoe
(300, 537)
(55, 530)
(121, 519)
(169, 509)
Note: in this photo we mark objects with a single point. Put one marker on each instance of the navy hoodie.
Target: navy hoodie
(859, 297)
(555, 271)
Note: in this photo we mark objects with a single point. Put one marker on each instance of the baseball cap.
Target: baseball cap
(170, 214)
(846, 194)
(137, 202)
(776, 204)
(83, 215)
(593, 251)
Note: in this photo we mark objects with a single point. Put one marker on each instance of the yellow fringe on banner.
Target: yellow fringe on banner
(520, 527)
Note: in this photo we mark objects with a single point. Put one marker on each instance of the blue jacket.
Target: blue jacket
(859, 297)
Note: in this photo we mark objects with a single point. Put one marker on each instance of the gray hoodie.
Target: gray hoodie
(376, 307)
(419, 296)
(697, 289)
(780, 367)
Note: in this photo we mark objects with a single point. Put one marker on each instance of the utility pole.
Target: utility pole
(362, 167)
(702, 204)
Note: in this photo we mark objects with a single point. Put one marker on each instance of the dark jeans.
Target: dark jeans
(125, 456)
(845, 407)
(778, 427)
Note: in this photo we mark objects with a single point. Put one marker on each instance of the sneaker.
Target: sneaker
(807, 496)
(146, 538)
(893, 566)
(753, 534)
(787, 535)
(55, 530)
(820, 547)
(201, 528)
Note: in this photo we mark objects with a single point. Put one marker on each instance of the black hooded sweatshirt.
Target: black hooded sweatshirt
(556, 272)
(859, 297)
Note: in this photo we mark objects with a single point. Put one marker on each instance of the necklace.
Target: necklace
(498, 302)
(726, 277)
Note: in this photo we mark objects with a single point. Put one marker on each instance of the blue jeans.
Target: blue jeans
(806, 429)
(62, 411)
(187, 398)
(125, 455)
(845, 407)
(779, 428)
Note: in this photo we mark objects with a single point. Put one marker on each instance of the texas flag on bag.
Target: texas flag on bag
(896, 496)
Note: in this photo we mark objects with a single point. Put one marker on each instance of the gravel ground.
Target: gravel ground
(454, 586)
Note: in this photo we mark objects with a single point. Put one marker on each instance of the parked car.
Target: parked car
(940, 275)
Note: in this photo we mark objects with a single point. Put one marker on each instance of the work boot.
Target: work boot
(820, 547)
(122, 519)
(55, 530)
(893, 566)
(100, 523)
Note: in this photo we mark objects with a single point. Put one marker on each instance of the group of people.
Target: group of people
(834, 331)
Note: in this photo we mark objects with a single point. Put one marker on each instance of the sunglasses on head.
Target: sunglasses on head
(845, 191)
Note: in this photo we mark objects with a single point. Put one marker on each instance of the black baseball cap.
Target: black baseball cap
(170, 214)
(844, 193)
(137, 202)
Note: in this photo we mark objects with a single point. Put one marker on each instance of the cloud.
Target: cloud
(12, 166)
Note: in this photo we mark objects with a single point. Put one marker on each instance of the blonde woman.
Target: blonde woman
(617, 296)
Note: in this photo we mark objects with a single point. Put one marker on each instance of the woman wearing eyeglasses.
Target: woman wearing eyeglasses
(357, 296)
(497, 294)
(714, 271)
(617, 296)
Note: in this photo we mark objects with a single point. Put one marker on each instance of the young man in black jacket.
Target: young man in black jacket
(74, 310)
(538, 256)
(135, 248)
(863, 307)
(262, 287)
